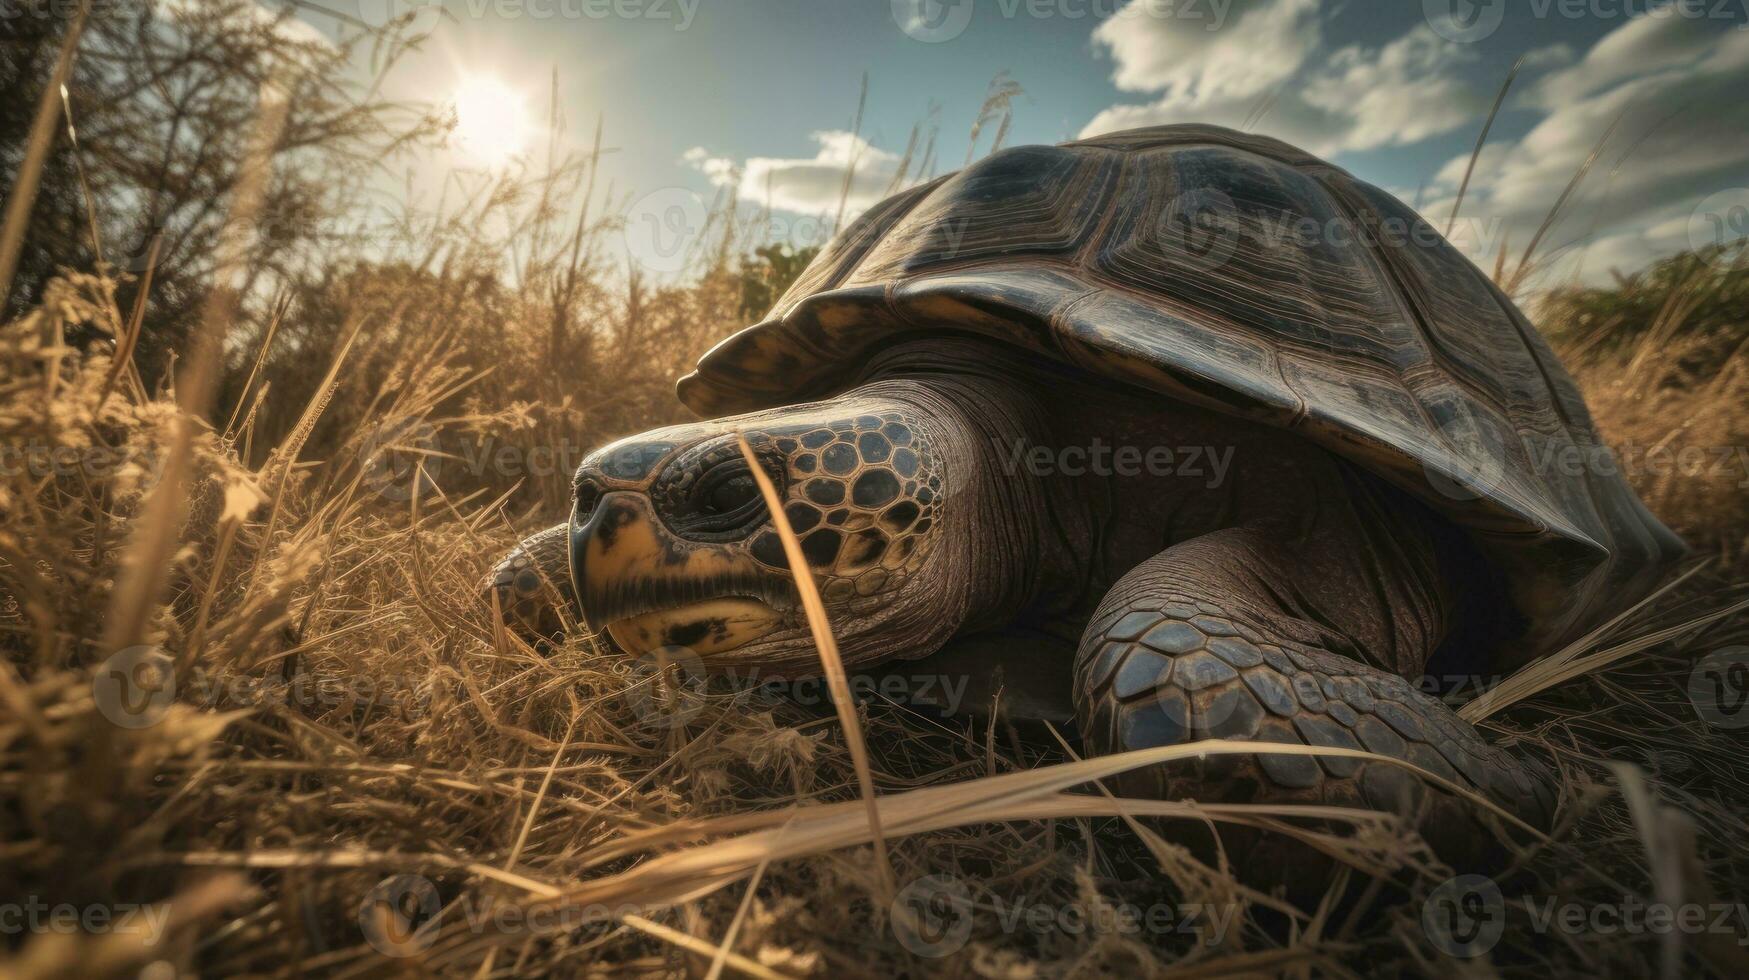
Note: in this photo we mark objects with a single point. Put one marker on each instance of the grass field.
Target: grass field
(344, 713)
(254, 711)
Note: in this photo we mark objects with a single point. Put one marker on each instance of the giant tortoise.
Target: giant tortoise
(1258, 443)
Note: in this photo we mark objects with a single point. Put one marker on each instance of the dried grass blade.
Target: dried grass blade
(1540, 675)
(830, 662)
(1481, 141)
(42, 136)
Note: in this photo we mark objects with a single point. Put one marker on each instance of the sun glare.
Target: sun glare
(490, 124)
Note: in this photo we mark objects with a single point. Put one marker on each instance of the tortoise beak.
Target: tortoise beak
(647, 587)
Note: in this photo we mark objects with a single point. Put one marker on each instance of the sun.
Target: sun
(490, 122)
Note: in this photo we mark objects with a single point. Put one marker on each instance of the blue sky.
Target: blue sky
(700, 94)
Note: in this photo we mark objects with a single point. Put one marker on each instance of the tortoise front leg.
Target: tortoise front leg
(1195, 644)
(533, 583)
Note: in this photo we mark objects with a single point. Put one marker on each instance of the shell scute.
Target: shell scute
(1240, 273)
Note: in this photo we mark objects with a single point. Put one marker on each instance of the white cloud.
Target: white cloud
(1674, 84)
(721, 170)
(1402, 93)
(1192, 64)
(1642, 44)
(1683, 134)
(1356, 98)
(807, 185)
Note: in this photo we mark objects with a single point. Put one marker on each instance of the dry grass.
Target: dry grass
(1672, 401)
(346, 712)
(313, 723)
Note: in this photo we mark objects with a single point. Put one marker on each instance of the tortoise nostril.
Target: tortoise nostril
(584, 497)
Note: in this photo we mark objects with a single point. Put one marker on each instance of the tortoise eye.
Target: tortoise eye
(715, 498)
(731, 494)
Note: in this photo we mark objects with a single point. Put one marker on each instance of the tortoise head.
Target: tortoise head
(672, 544)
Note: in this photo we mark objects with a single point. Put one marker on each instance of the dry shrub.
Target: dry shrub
(1663, 357)
(1687, 441)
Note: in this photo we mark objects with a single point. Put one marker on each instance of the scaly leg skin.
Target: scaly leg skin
(533, 583)
(1193, 644)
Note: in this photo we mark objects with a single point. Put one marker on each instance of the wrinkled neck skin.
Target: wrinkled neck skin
(1010, 541)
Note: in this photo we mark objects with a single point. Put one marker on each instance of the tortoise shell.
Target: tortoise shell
(1238, 273)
